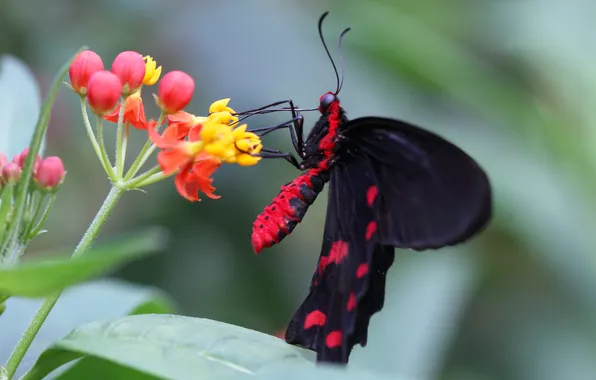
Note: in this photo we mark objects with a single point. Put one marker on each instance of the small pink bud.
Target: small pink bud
(50, 174)
(129, 66)
(175, 91)
(11, 173)
(21, 158)
(3, 160)
(103, 92)
(85, 64)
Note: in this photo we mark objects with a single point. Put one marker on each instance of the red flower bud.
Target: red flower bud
(20, 159)
(129, 66)
(11, 173)
(103, 92)
(50, 173)
(175, 91)
(85, 64)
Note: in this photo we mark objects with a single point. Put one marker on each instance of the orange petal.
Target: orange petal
(171, 160)
(180, 117)
(113, 116)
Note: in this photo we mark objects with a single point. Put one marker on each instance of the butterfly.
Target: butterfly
(391, 185)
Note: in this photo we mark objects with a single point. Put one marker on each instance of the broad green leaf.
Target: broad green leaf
(175, 347)
(91, 368)
(42, 277)
(104, 299)
(3, 373)
(20, 103)
(288, 371)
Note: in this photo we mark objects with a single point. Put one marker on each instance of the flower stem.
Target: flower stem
(104, 155)
(144, 154)
(91, 135)
(142, 179)
(42, 313)
(120, 153)
(43, 218)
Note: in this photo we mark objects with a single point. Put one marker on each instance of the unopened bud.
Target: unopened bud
(50, 174)
(11, 173)
(21, 158)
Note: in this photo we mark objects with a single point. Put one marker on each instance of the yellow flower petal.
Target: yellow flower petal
(247, 160)
(152, 72)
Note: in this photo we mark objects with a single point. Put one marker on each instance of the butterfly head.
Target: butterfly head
(326, 100)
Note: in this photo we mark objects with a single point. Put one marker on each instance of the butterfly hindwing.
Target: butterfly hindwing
(432, 194)
(348, 285)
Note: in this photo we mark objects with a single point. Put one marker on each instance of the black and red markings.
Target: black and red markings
(287, 209)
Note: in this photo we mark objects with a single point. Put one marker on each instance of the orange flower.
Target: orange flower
(176, 155)
(197, 178)
(134, 112)
(181, 123)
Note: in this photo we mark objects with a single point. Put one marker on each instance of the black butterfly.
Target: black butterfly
(391, 185)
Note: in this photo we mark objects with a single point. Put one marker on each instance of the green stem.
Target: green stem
(104, 155)
(147, 178)
(119, 141)
(43, 218)
(91, 135)
(42, 313)
(144, 154)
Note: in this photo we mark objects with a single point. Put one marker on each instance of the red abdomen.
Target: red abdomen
(287, 209)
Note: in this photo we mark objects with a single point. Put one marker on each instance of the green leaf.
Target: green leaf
(20, 102)
(175, 347)
(3, 373)
(42, 277)
(91, 368)
(159, 304)
(103, 299)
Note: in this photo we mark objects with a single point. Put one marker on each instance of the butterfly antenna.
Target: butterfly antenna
(327, 49)
(341, 60)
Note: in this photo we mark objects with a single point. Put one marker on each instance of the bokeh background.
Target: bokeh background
(512, 82)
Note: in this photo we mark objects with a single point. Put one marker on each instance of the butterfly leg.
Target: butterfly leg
(272, 153)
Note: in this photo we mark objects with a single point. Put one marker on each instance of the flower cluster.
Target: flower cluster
(191, 147)
(48, 175)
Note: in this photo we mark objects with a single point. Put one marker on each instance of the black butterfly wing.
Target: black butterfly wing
(431, 193)
(348, 285)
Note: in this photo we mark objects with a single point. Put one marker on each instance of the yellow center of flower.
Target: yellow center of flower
(152, 72)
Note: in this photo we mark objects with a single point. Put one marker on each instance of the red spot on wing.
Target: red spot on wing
(362, 270)
(371, 228)
(371, 195)
(333, 339)
(351, 305)
(339, 251)
(314, 318)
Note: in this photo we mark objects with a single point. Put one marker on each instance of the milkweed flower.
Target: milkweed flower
(83, 66)
(129, 66)
(209, 143)
(103, 92)
(50, 174)
(134, 112)
(175, 91)
(152, 72)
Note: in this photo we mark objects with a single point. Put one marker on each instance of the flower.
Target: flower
(175, 91)
(246, 145)
(196, 178)
(181, 123)
(129, 66)
(50, 173)
(21, 158)
(11, 173)
(134, 112)
(3, 160)
(151, 72)
(193, 147)
(103, 91)
(83, 66)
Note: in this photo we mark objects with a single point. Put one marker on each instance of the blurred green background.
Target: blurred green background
(512, 82)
